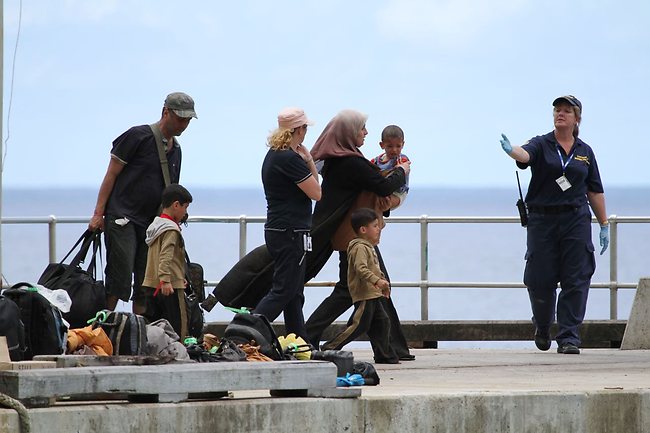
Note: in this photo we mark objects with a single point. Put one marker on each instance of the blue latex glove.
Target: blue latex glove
(505, 144)
(604, 238)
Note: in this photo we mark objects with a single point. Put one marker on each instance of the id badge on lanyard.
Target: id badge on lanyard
(306, 246)
(562, 181)
(306, 241)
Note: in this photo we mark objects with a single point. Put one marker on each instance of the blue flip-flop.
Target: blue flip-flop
(350, 380)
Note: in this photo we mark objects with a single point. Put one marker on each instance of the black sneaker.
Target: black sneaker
(542, 340)
(407, 357)
(568, 349)
(387, 361)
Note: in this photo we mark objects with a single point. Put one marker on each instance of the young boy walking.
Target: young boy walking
(367, 285)
(165, 274)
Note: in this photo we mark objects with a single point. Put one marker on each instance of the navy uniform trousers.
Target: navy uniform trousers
(559, 250)
(286, 295)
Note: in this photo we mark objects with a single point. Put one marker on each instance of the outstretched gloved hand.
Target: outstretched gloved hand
(505, 144)
(604, 238)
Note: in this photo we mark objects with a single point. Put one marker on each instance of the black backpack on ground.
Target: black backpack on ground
(195, 279)
(367, 371)
(194, 295)
(127, 331)
(195, 318)
(45, 332)
(86, 292)
(246, 327)
(11, 326)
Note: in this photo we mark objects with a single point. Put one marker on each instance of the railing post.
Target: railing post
(613, 268)
(242, 235)
(424, 268)
(52, 238)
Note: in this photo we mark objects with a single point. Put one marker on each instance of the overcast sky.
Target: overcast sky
(453, 73)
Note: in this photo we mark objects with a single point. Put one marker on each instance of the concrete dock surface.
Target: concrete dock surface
(443, 390)
(516, 371)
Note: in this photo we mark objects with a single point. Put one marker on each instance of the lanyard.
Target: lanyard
(562, 163)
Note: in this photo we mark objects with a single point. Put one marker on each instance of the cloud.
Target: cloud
(147, 13)
(448, 23)
(90, 10)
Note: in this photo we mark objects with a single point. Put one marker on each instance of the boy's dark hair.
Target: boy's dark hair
(362, 217)
(392, 131)
(175, 192)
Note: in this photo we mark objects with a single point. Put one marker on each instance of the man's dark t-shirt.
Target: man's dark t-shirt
(138, 188)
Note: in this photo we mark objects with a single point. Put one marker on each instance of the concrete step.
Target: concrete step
(442, 391)
(172, 382)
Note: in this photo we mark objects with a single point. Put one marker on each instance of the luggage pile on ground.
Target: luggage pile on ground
(64, 314)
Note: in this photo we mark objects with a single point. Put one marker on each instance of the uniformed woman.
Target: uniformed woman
(564, 181)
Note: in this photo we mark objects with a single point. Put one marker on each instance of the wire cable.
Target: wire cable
(11, 86)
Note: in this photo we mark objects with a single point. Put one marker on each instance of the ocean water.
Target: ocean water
(457, 252)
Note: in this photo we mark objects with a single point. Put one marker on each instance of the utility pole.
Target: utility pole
(2, 135)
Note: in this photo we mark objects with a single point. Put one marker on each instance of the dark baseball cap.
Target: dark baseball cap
(570, 99)
(182, 104)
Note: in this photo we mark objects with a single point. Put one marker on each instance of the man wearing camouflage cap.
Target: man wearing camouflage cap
(129, 197)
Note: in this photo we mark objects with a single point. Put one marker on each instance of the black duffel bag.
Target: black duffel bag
(87, 293)
(246, 283)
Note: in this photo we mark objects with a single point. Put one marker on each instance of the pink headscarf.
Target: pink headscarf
(338, 139)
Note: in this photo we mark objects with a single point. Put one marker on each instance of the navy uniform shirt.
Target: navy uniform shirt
(581, 172)
(287, 206)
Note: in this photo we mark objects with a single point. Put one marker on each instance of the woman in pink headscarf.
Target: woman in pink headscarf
(349, 181)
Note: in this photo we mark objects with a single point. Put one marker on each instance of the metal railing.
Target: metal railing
(423, 221)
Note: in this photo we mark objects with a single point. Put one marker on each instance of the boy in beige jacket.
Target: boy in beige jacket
(165, 274)
(367, 285)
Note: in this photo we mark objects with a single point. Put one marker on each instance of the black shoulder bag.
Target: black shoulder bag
(86, 292)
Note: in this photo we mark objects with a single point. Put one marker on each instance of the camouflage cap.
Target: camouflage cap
(182, 104)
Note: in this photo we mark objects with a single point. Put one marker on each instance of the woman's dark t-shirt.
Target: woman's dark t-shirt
(287, 206)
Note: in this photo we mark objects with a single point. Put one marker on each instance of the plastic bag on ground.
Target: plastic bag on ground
(96, 339)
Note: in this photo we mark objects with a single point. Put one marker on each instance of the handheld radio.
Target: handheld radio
(521, 205)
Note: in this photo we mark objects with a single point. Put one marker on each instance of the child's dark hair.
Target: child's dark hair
(175, 192)
(362, 217)
(392, 131)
